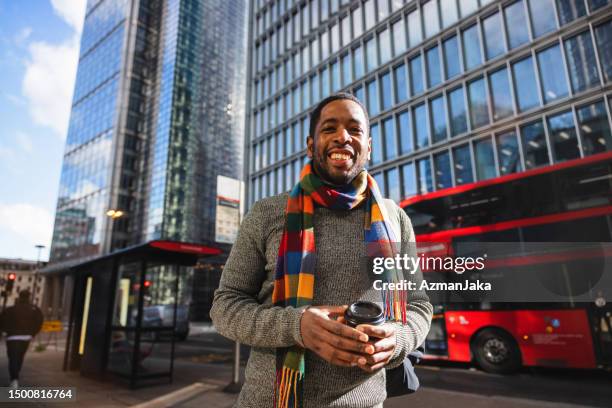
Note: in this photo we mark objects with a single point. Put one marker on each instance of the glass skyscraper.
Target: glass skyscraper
(157, 114)
(458, 91)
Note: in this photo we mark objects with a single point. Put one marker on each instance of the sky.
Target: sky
(39, 42)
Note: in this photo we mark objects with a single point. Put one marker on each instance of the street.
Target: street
(204, 361)
(463, 383)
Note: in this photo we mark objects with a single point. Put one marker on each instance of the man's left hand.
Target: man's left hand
(384, 346)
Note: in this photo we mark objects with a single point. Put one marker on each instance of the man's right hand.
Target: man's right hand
(331, 340)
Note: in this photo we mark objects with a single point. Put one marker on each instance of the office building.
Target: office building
(157, 115)
(458, 91)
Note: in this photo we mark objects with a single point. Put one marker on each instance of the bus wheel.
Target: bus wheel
(496, 352)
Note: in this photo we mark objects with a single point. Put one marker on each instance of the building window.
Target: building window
(430, 18)
(288, 142)
(345, 22)
(438, 119)
(595, 4)
(399, 37)
(534, 145)
(516, 23)
(390, 140)
(370, 14)
(347, 75)
(380, 181)
(434, 76)
(543, 19)
(443, 170)
(485, 159)
(581, 62)
(384, 39)
(324, 82)
(387, 91)
(335, 38)
(508, 153)
(405, 132)
(371, 54)
(563, 137)
(457, 112)
(525, 84)
(451, 57)
(594, 128)
(409, 187)
(479, 108)
(425, 176)
(393, 183)
(360, 94)
(324, 45)
(552, 74)
(463, 165)
(415, 34)
(468, 7)
(377, 148)
(471, 48)
(401, 83)
(357, 22)
(502, 96)
(420, 125)
(493, 36)
(450, 14)
(314, 88)
(358, 61)
(373, 103)
(603, 36)
(335, 73)
(569, 10)
(416, 76)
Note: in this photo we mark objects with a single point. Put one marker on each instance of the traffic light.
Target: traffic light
(10, 282)
(147, 284)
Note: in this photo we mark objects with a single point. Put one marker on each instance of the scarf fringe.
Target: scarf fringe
(286, 390)
(394, 304)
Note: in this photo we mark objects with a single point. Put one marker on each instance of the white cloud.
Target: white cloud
(50, 71)
(33, 223)
(49, 81)
(71, 11)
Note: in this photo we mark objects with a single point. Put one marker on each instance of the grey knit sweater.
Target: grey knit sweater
(242, 309)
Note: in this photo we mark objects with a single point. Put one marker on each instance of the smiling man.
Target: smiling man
(295, 266)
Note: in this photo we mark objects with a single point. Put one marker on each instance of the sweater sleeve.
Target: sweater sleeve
(236, 311)
(419, 309)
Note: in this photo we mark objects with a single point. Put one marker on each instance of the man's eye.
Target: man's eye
(328, 129)
(356, 130)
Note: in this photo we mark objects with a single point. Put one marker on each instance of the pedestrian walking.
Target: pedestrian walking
(20, 322)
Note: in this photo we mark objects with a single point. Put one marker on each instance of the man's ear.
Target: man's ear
(369, 147)
(309, 146)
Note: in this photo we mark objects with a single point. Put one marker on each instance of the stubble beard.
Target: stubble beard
(320, 168)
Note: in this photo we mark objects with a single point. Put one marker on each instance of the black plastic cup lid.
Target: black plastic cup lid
(363, 312)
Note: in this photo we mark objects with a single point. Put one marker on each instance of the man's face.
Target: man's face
(341, 145)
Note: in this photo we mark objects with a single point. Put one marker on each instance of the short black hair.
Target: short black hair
(316, 113)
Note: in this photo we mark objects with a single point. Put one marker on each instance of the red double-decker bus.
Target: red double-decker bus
(566, 203)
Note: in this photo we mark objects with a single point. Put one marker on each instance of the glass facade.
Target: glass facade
(457, 91)
(154, 120)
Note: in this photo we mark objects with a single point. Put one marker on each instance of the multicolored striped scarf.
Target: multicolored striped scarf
(295, 266)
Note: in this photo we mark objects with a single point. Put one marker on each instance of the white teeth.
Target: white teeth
(340, 156)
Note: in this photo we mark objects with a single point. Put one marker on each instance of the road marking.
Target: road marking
(178, 396)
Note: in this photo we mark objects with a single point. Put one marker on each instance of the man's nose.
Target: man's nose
(342, 136)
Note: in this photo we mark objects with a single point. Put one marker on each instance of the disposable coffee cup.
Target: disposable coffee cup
(363, 312)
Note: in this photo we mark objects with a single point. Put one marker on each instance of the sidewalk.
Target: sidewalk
(193, 382)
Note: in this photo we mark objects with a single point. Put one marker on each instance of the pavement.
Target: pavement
(203, 368)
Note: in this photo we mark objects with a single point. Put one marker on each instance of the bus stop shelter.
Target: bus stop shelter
(126, 312)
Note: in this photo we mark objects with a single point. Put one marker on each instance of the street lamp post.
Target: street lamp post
(40, 248)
